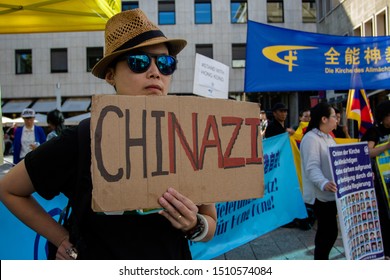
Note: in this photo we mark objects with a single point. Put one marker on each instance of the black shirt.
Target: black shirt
(274, 128)
(53, 168)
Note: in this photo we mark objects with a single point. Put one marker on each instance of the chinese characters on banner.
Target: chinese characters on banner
(312, 61)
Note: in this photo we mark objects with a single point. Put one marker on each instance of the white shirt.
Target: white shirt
(28, 138)
(316, 170)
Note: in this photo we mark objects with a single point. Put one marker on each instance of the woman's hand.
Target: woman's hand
(330, 187)
(66, 250)
(178, 209)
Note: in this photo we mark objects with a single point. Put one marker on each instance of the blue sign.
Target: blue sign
(279, 59)
(240, 222)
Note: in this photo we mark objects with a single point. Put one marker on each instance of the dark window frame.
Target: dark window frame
(22, 65)
(282, 9)
(205, 49)
(232, 3)
(94, 54)
(53, 63)
(165, 9)
(238, 55)
(129, 5)
(197, 3)
(312, 19)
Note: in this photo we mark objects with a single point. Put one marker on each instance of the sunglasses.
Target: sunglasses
(140, 62)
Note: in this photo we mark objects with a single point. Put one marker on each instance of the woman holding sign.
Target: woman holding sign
(138, 60)
(318, 187)
(378, 141)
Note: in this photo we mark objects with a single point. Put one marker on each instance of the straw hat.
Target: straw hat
(129, 30)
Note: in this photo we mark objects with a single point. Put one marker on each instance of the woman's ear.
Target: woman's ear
(324, 119)
(110, 77)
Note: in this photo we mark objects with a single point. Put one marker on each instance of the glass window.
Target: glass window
(308, 11)
(275, 11)
(206, 50)
(23, 62)
(238, 55)
(129, 5)
(94, 54)
(239, 11)
(166, 12)
(59, 60)
(203, 14)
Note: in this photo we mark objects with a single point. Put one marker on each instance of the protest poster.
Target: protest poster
(211, 78)
(356, 201)
(205, 148)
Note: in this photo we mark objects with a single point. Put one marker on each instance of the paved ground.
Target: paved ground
(280, 244)
(283, 244)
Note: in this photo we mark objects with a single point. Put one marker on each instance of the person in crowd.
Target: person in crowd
(263, 123)
(341, 131)
(304, 116)
(138, 60)
(277, 126)
(27, 137)
(9, 135)
(318, 187)
(378, 141)
(55, 120)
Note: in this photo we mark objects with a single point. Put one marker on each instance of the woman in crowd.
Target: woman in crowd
(318, 187)
(55, 120)
(138, 60)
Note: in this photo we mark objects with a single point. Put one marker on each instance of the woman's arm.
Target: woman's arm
(376, 151)
(16, 191)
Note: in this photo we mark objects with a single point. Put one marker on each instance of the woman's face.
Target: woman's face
(386, 121)
(330, 123)
(151, 82)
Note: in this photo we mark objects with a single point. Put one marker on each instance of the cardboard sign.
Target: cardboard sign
(207, 149)
(211, 78)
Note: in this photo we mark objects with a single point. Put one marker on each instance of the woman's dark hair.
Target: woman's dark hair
(56, 118)
(316, 113)
(382, 111)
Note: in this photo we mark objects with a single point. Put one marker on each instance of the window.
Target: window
(166, 12)
(23, 62)
(59, 60)
(239, 11)
(308, 11)
(129, 5)
(203, 13)
(206, 50)
(238, 55)
(94, 54)
(275, 11)
(381, 23)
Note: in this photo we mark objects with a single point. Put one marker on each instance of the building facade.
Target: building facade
(354, 18)
(52, 68)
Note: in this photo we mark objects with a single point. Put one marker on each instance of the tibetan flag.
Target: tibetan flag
(358, 108)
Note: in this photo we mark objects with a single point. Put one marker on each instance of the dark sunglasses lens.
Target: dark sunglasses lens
(166, 64)
(138, 63)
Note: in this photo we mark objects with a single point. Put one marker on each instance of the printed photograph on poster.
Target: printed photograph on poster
(356, 201)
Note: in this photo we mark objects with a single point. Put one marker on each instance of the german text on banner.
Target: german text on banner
(312, 61)
(242, 221)
(356, 201)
